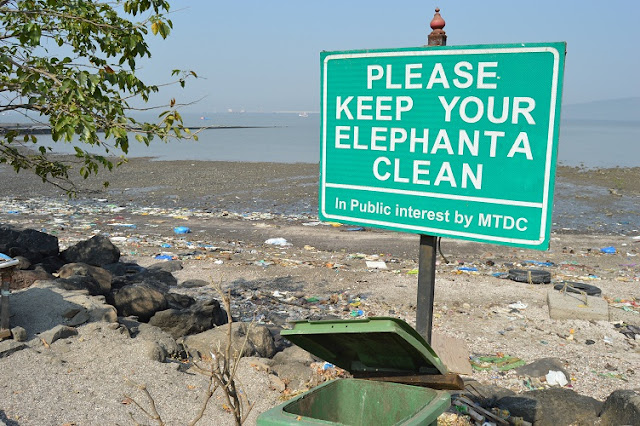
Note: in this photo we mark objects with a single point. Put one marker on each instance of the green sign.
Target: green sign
(457, 141)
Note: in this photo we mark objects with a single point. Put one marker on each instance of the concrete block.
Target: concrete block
(573, 306)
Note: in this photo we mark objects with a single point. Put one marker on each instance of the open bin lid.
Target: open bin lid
(376, 344)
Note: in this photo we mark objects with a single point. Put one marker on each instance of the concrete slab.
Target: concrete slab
(573, 306)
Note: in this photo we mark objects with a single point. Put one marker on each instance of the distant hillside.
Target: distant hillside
(625, 109)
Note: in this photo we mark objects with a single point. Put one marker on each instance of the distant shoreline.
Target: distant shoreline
(37, 129)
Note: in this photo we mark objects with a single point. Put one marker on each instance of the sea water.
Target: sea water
(292, 138)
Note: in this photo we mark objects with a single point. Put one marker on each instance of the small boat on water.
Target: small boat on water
(303, 114)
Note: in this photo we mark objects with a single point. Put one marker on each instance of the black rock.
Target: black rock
(38, 245)
(622, 407)
(50, 264)
(8, 237)
(193, 283)
(123, 269)
(179, 301)
(199, 317)
(542, 367)
(33, 245)
(78, 282)
(168, 266)
(96, 251)
(551, 407)
(138, 300)
(156, 278)
(100, 275)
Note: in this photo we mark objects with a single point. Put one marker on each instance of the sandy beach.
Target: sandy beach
(236, 207)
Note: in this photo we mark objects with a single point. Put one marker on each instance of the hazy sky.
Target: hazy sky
(265, 55)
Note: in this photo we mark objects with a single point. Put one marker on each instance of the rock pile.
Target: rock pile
(93, 266)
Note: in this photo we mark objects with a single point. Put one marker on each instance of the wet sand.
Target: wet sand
(587, 200)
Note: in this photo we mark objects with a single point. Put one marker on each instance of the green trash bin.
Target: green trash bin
(368, 348)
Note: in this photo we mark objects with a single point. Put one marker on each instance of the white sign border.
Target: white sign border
(544, 206)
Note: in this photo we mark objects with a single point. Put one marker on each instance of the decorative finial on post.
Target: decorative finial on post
(437, 37)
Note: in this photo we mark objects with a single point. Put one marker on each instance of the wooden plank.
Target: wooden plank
(448, 381)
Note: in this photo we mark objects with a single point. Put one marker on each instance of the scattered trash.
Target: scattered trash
(518, 305)
(327, 365)
(556, 378)
(500, 363)
(311, 223)
(277, 242)
(124, 225)
(628, 330)
(413, 271)
(577, 287)
(590, 342)
(608, 340)
(376, 264)
(164, 257)
(608, 250)
(467, 269)
(612, 375)
(531, 276)
(181, 230)
(357, 313)
(354, 229)
(165, 245)
(218, 262)
(537, 263)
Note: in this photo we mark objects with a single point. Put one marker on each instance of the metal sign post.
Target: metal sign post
(427, 253)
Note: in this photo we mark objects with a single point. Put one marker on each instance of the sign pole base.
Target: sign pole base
(426, 285)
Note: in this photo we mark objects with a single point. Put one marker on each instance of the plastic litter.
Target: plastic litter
(327, 365)
(518, 305)
(538, 263)
(500, 363)
(357, 313)
(556, 378)
(376, 264)
(467, 269)
(164, 257)
(277, 242)
(608, 250)
(181, 230)
(354, 229)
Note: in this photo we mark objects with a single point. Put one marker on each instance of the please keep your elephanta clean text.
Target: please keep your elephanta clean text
(418, 155)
